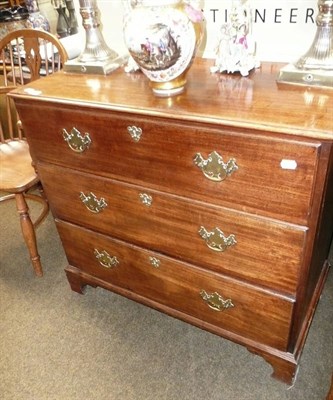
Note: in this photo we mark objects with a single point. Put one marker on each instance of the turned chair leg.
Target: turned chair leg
(28, 232)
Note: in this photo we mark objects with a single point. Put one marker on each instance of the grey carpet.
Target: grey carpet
(58, 345)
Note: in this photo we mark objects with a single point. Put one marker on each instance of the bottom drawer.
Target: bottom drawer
(215, 299)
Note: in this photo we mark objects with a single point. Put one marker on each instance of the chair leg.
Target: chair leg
(28, 232)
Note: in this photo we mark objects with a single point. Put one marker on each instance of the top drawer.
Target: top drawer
(252, 173)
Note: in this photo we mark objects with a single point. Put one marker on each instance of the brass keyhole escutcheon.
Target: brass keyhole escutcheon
(146, 199)
(155, 262)
(135, 132)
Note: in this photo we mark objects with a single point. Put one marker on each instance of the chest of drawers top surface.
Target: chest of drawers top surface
(255, 102)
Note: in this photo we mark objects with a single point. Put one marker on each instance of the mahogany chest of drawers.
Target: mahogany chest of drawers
(215, 206)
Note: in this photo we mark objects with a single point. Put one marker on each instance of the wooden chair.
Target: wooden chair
(11, 3)
(25, 55)
(16, 2)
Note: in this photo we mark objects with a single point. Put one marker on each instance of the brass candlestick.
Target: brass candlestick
(315, 68)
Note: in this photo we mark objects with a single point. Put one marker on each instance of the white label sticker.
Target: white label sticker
(32, 91)
(288, 164)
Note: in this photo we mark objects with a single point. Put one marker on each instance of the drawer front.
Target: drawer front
(254, 174)
(260, 250)
(252, 313)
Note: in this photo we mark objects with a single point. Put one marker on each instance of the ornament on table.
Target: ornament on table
(162, 37)
(96, 57)
(73, 24)
(315, 67)
(66, 24)
(235, 51)
(36, 19)
(131, 65)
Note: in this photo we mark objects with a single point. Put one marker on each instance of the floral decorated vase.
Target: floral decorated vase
(36, 19)
(162, 37)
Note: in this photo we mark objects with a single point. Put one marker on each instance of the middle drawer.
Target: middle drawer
(259, 250)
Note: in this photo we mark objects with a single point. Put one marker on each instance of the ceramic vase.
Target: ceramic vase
(162, 37)
(36, 19)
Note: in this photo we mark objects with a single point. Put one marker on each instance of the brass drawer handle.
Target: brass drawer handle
(215, 301)
(92, 203)
(76, 141)
(135, 132)
(216, 240)
(214, 168)
(105, 259)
